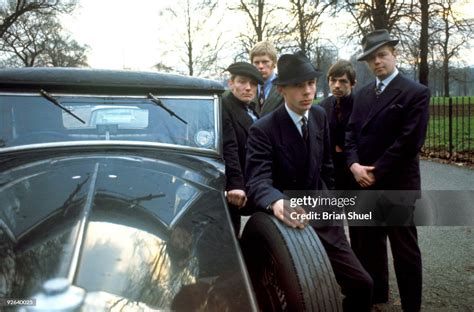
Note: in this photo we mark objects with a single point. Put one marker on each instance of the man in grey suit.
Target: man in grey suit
(264, 57)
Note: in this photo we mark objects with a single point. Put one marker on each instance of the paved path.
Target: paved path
(436, 176)
(447, 251)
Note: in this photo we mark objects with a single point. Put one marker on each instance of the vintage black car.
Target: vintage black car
(112, 199)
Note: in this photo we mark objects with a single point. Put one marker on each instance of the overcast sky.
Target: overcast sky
(124, 34)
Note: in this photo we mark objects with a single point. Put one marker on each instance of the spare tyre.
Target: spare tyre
(289, 268)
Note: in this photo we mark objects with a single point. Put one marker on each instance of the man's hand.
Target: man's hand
(283, 212)
(363, 174)
(237, 198)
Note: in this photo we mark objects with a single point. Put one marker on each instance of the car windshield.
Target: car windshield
(34, 119)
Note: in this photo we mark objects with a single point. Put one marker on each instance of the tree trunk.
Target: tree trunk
(190, 41)
(424, 68)
(259, 30)
(380, 15)
(446, 54)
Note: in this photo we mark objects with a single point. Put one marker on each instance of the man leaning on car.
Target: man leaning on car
(237, 117)
(289, 149)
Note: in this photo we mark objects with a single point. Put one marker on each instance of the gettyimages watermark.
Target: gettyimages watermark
(337, 213)
(381, 208)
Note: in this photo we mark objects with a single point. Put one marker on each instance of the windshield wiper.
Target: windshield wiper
(53, 100)
(158, 102)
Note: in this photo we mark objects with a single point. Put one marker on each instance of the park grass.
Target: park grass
(435, 100)
(456, 100)
(437, 136)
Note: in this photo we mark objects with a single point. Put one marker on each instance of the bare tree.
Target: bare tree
(424, 38)
(161, 67)
(307, 17)
(38, 40)
(63, 51)
(450, 33)
(197, 54)
(26, 38)
(258, 14)
(12, 10)
(261, 16)
(377, 14)
(324, 56)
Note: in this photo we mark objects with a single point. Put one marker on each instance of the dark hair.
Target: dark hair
(340, 68)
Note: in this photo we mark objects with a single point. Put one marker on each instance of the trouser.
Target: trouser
(235, 218)
(343, 178)
(356, 284)
(370, 246)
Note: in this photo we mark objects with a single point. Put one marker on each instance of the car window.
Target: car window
(28, 119)
(125, 117)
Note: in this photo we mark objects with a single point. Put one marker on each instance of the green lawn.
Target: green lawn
(462, 134)
(460, 100)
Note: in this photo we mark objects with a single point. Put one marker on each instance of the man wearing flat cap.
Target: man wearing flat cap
(237, 117)
(289, 149)
(385, 134)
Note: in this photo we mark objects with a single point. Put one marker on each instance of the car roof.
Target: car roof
(101, 81)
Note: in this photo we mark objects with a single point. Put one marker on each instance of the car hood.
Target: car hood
(131, 231)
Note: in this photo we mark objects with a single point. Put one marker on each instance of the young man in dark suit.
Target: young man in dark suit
(385, 134)
(264, 57)
(237, 117)
(288, 149)
(342, 79)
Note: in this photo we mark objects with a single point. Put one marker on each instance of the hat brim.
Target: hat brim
(244, 73)
(364, 56)
(305, 77)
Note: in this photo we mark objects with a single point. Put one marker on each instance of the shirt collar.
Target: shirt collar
(387, 80)
(270, 79)
(296, 117)
(267, 85)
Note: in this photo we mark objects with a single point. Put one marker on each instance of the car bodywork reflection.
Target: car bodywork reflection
(163, 241)
(136, 264)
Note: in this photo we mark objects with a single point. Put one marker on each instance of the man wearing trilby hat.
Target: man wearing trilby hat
(385, 134)
(289, 149)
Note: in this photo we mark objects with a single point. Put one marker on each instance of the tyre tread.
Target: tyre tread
(318, 287)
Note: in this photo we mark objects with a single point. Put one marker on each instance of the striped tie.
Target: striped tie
(304, 129)
(378, 89)
(261, 98)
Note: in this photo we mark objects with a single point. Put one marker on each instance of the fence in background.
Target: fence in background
(450, 132)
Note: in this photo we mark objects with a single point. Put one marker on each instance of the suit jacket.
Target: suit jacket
(279, 160)
(388, 131)
(236, 123)
(344, 179)
(337, 128)
(272, 102)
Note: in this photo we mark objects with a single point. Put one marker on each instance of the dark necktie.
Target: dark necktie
(337, 110)
(261, 98)
(304, 129)
(378, 89)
